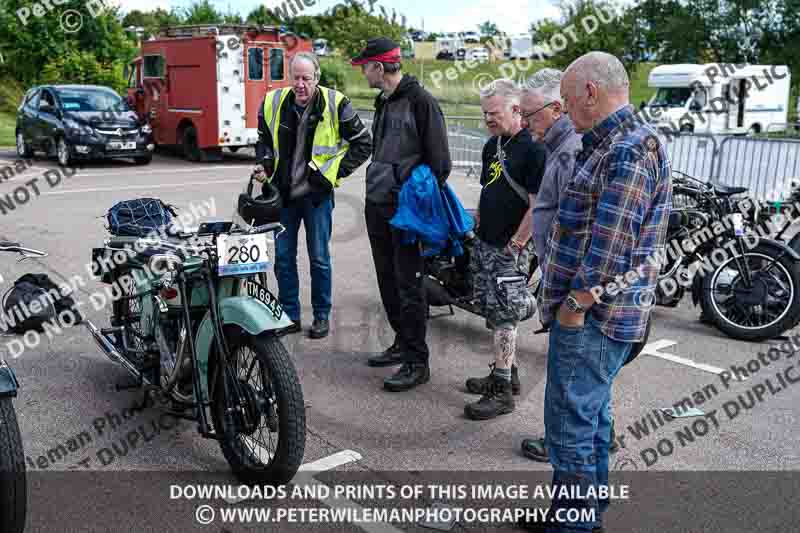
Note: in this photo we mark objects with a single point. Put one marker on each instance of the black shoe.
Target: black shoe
(481, 385)
(495, 402)
(409, 376)
(390, 357)
(288, 330)
(536, 450)
(319, 329)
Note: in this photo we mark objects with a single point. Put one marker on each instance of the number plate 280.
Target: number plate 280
(245, 254)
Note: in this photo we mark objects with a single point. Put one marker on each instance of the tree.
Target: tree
(263, 17)
(33, 43)
(586, 25)
(202, 12)
(488, 29)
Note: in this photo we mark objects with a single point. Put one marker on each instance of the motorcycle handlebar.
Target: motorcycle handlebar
(16, 247)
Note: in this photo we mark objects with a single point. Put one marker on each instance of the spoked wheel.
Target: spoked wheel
(264, 441)
(13, 488)
(763, 310)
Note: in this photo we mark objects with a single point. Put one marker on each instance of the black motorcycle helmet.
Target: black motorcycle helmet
(263, 209)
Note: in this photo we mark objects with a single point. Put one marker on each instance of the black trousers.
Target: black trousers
(401, 273)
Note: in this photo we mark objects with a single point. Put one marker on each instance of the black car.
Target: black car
(75, 122)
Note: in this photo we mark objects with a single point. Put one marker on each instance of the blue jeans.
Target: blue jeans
(318, 224)
(582, 363)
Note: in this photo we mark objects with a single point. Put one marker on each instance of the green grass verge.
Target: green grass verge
(457, 89)
(8, 122)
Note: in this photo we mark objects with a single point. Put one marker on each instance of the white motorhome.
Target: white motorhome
(521, 46)
(719, 98)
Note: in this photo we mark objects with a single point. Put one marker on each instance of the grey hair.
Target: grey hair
(546, 82)
(602, 68)
(311, 58)
(505, 88)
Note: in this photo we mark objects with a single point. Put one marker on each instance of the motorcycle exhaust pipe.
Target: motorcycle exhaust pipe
(105, 346)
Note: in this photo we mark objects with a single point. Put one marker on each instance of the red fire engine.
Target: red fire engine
(201, 86)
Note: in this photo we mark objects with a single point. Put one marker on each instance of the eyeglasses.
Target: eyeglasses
(528, 116)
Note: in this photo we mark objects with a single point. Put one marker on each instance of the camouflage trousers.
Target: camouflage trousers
(499, 281)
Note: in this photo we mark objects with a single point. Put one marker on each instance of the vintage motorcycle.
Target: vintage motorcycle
(13, 484)
(447, 280)
(748, 292)
(194, 322)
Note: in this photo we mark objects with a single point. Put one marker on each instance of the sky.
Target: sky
(511, 16)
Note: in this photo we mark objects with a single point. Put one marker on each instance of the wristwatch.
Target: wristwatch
(574, 305)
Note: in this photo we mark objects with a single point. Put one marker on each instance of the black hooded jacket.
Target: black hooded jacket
(408, 130)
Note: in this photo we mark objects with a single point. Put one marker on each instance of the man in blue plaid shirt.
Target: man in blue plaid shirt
(599, 275)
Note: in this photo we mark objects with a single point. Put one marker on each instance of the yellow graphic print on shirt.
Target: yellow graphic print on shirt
(494, 172)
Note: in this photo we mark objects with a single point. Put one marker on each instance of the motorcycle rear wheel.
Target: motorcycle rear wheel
(274, 398)
(13, 487)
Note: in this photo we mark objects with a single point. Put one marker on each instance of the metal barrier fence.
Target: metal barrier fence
(765, 166)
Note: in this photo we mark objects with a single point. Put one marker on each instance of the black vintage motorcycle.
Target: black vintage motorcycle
(748, 286)
(13, 485)
(447, 280)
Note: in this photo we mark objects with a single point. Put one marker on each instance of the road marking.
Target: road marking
(143, 186)
(653, 348)
(305, 477)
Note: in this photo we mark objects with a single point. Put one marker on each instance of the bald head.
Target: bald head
(595, 85)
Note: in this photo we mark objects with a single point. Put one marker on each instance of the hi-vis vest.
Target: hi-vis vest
(328, 149)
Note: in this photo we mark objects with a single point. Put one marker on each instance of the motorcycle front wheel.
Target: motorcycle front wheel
(765, 309)
(13, 488)
(266, 447)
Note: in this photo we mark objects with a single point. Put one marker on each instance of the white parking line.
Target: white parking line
(305, 477)
(145, 186)
(653, 348)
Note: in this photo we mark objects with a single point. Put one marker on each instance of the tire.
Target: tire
(233, 149)
(143, 160)
(13, 487)
(783, 270)
(23, 149)
(62, 152)
(285, 390)
(191, 146)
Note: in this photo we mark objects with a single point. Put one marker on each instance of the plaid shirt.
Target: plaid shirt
(612, 217)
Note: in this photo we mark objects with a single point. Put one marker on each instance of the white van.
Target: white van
(521, 46)
(719, 98)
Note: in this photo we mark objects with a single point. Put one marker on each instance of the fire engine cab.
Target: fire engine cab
(201, 86)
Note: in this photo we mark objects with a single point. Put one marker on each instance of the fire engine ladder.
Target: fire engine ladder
(201, 30)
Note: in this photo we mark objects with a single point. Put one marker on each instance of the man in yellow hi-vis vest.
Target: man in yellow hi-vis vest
(309, 138)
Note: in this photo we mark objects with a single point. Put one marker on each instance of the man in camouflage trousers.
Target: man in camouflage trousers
(513, 164)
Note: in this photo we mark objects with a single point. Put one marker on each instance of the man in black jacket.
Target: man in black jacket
(309, 137)
(408, 130)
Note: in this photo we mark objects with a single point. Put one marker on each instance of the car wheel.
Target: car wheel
(62, 152)
(191, 148)
(23, 150)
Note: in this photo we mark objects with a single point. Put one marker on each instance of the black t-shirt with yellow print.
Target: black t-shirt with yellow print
(501, 209)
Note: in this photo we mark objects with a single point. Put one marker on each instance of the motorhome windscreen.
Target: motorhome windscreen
(672, 96)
